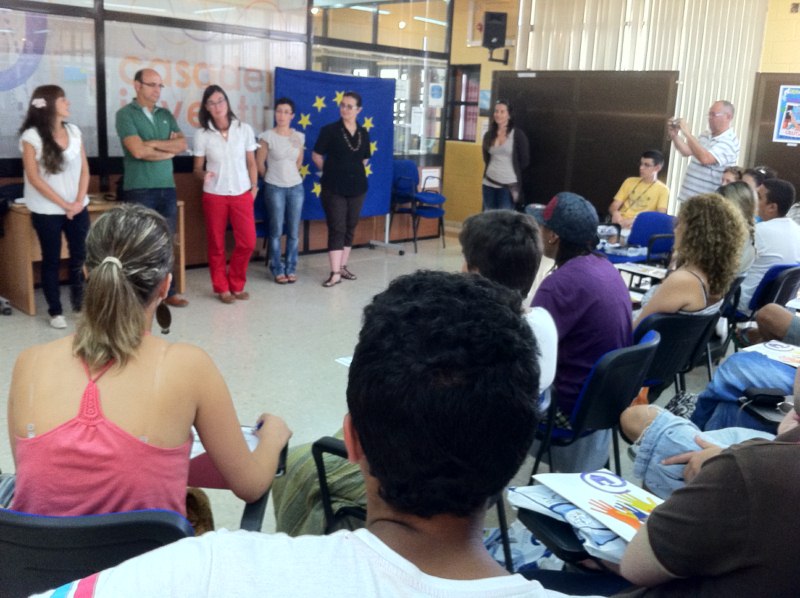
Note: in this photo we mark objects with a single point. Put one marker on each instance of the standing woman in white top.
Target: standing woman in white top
(279, 155)
(56, 181)
(226, 146)
(505, 155)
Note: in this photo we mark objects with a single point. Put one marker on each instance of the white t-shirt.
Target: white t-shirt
(544, 329)
(282, 152)
(226, 159)
(64, 183)
(777, 241)
(344, 564)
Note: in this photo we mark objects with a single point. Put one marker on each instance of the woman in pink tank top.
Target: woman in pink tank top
(101, 421)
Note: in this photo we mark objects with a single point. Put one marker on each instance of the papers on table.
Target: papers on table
(783, 352)
(655, 272)
(604, 510)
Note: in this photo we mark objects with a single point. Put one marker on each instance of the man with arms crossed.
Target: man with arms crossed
(442, 409)
(150, 139)
(711, 153)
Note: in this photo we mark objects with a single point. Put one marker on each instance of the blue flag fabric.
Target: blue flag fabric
(317, 97)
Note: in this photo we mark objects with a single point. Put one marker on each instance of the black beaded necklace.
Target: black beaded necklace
(347, 139)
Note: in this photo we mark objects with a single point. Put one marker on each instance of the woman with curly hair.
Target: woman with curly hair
(709, 235)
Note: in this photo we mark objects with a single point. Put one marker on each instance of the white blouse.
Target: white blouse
(227, 159)
(64, 183)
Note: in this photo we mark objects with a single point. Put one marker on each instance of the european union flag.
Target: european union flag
(317, 97)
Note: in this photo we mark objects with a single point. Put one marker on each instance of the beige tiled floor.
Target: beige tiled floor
(277, 351)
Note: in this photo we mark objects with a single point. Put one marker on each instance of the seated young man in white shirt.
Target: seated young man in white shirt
(442, 409)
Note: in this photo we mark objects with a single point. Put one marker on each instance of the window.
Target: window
(462, 106)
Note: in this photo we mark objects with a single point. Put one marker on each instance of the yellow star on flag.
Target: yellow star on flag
(368, 169)
(339, 97)
(368, 123)
(317, 189)
(319, 103)
(305, 120)
(304, 172)
(373, 146)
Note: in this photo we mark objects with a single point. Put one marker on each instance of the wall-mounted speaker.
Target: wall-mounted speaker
(494, 30)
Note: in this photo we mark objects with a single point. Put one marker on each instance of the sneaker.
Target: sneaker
(58, 322)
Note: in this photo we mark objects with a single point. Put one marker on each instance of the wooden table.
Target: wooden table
(20, 250)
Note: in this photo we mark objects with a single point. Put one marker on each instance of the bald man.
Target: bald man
(710, 154)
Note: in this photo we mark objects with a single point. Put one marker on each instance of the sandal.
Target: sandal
(346, 274)
(330, 282)
(291, 278)
(281, 279)
(226, 298)
(242, 295)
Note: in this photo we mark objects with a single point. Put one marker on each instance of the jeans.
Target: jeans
(49, 228)
(670, 435)
(284, 204)
(718, 405)
(165, 202)
(495, 198)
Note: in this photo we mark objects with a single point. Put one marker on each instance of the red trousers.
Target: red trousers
(238, 210)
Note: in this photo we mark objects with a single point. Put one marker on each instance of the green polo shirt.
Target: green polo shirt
(144, 174)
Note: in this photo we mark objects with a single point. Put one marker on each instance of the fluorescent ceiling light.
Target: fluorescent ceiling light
(369, 9)
(136, 8)
(431, 21)
(208, 10)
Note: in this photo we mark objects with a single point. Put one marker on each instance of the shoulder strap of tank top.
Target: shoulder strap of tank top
(90, 401)
(702, 287)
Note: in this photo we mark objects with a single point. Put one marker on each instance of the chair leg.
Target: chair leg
(414, 227)
(709, 362)
(615, 442)
(441, 230)
(503, 524)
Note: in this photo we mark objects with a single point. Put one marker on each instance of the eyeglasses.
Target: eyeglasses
(713, 114)
(211, 104)
(646, 165)
(348, 106)
(153, 85)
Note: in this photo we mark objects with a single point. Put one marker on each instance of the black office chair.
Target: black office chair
(717, 347)
(405, 199)
(343, 516)
(684, 341)
(612, 384)
(39, 553)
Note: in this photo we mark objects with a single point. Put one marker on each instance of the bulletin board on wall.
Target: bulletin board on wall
(770, 107)
(587, 130)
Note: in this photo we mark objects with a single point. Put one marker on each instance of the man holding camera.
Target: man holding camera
(711, 153)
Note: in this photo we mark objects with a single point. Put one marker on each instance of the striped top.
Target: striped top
(705, 179)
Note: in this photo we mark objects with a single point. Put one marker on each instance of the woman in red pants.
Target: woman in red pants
(224, 157)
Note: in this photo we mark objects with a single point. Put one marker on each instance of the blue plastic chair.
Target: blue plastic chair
(405, 198)
(653, 230)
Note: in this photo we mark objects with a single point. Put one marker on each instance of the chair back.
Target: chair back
(654, 230)
(684, 339)
(405, 180)
(648, 224)
(779, 285)
(38, 553)
(612, 384)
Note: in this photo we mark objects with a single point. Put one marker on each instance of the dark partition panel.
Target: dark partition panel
(588, 129)
(783, 157)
